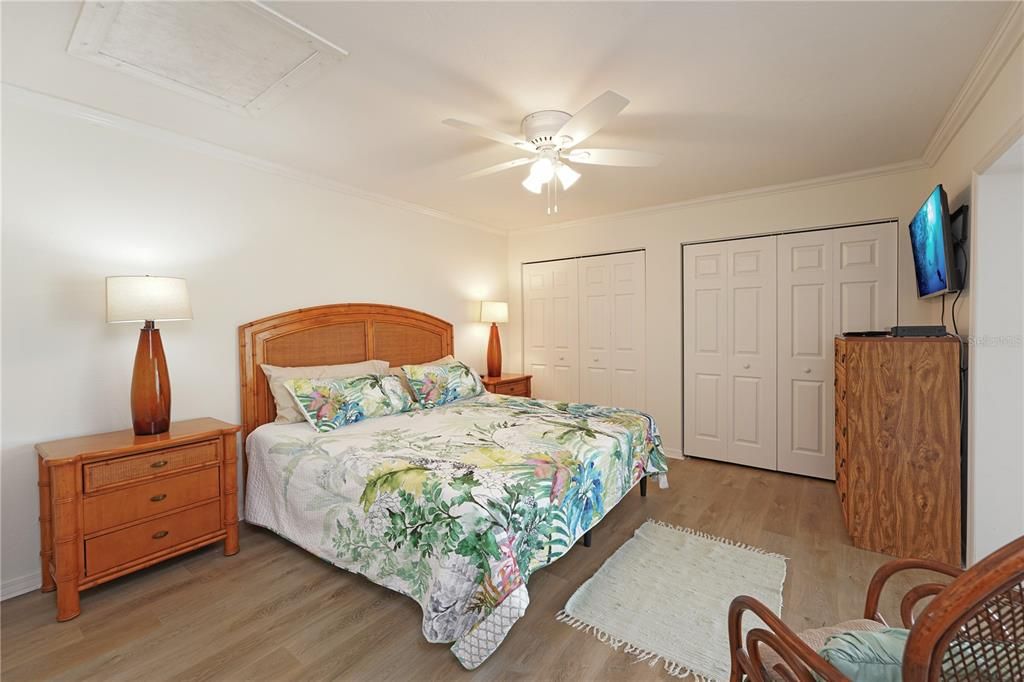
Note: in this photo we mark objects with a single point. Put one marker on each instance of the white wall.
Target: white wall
(996, 498)
(896, 195)
(83, 201)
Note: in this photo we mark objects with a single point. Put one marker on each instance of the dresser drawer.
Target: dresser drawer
(155, 497)
(520, 388)
(124, 546)
(142, 467)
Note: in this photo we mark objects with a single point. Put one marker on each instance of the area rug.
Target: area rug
(664, 596)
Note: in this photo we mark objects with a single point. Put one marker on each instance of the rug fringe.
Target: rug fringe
(724, 541)
(641, 655)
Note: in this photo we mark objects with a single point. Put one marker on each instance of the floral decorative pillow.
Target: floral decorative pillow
(442, 383)
(394, 388)
(329, 404)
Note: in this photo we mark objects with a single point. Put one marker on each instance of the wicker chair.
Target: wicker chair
(972, 629)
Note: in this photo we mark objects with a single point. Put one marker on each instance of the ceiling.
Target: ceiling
(734, 95)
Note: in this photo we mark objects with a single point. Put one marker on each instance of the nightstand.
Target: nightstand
(509, 384)
(114, 503)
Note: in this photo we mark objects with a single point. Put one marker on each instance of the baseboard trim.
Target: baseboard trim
(673, 453)
(20, 585)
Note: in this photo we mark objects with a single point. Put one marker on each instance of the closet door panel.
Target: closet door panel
(612, 323)
(864, 285)
(628, 342)
(705, 363)
(551, 328)
(751, 349)
(805, 396)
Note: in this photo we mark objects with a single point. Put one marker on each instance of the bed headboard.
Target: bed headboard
(332, 335)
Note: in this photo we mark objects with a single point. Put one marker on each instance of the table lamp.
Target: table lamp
(148, 300)
(494, 312)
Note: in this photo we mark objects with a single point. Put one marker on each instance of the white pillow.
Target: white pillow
(287, 412)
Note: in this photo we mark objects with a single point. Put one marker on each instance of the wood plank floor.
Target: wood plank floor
(274, 612)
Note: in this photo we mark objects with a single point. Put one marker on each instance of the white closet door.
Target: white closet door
(806, 368)
(705, 358)
(551, 328)
(612, 330)
(752, 355)
(864, 278)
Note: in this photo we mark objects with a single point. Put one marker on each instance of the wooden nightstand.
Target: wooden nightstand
(114, 503)
(509, 384)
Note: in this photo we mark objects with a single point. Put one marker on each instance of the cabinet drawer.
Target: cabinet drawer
(142, 467)
(517, 388)
(157, 496)
(124, 546)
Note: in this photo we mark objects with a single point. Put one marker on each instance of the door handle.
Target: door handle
(746, 365)
(807, 370)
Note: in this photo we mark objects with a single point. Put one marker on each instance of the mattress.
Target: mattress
(454, 506)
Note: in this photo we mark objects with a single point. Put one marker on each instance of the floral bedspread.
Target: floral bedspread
(455, 506)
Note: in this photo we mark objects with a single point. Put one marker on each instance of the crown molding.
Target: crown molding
(56, 105)
(738, 195)
(1004, 41)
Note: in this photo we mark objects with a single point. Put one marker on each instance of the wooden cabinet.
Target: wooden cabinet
(897, 444)
(509, 384)
(113, 503)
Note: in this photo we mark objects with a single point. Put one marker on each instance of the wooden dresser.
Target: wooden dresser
(509, 384)
(897, 444)
(113, 503)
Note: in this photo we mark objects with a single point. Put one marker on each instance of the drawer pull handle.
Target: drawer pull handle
(159, 534)
(844, 394)
(158, 498)
(844, 432)
(159, 463)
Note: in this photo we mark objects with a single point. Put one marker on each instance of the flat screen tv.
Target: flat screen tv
(931, 239)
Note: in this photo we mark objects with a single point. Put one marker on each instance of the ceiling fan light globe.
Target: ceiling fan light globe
(542, 169)
(533, 184)
(567, 176)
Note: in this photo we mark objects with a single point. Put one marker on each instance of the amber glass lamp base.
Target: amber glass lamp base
(494, 353)
(151, 389)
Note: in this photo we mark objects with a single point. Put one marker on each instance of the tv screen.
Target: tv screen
(932, 243)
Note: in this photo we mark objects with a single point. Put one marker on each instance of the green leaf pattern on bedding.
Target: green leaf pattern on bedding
(458, 505)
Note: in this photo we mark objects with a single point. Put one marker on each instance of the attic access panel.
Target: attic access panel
(242, 56)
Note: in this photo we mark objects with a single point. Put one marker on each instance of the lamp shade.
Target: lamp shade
(141, 298)
(493, 311)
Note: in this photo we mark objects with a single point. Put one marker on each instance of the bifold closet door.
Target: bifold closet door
(806, 371)
(830, 282)
(705, 359)
(752, 351)
(729, 342)
(551, 328)
(613, 330)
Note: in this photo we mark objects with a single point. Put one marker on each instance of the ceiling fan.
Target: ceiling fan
(550, 138)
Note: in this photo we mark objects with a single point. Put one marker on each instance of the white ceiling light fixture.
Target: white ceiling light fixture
(566, 175)
(551, 136)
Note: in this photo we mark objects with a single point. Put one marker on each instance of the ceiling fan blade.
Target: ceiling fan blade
(592, 118)
(496, 168)
(614, 157)
(497, 136)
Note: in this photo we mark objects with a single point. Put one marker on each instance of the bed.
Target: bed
(455, 506)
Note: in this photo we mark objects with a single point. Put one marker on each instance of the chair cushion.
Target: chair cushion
(868, 656)
(816, 638)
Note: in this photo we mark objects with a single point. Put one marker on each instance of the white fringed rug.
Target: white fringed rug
(664, 596)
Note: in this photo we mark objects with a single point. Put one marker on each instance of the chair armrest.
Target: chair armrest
(802, 663)
(891, 568)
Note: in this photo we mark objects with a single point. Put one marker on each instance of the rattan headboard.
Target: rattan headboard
(332, 335)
